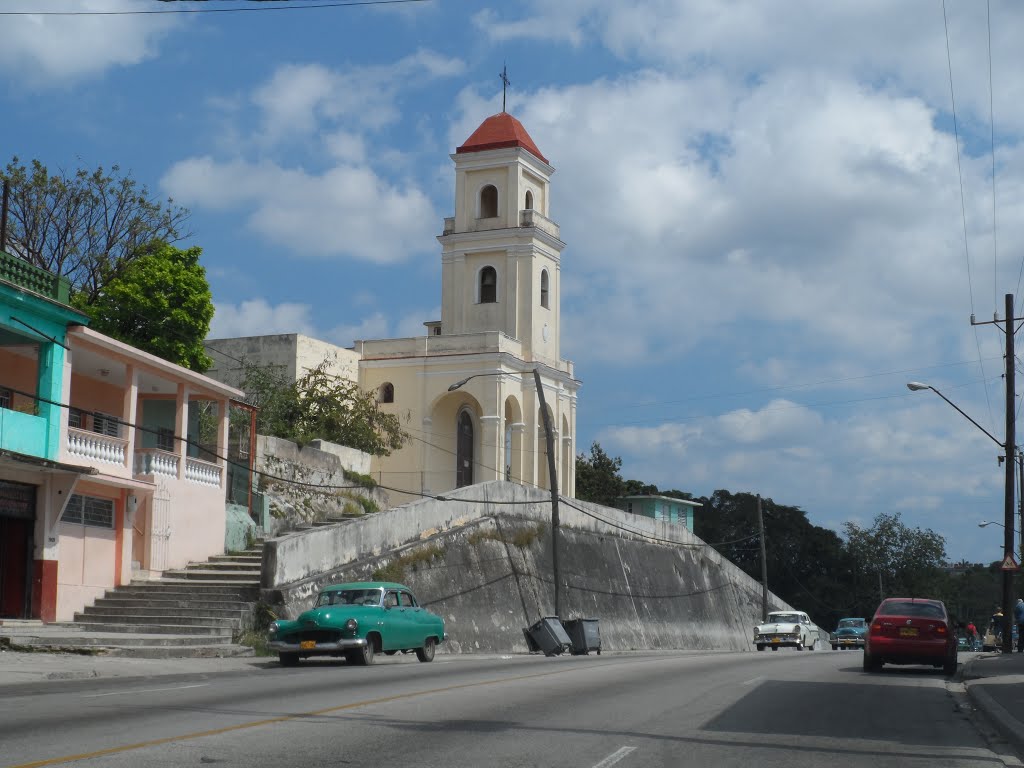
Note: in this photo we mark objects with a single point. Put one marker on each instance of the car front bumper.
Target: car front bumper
(776, 641)
(853, 642)
(325, 648)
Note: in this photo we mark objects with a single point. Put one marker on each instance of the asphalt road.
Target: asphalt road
(631, 710)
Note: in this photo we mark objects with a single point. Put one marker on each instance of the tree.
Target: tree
(86, 225)
(906, 561)
(597, 478)
(321, 406)
(158, 302)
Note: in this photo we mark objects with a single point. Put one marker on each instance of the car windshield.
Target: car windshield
(784, 618)
(908, 608)
(349, 597)
(851, 623)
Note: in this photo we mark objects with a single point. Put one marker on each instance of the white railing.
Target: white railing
(152, 461)
(202, 472)
(96, 447)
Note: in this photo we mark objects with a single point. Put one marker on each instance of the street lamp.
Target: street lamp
(990, 522)
(1009, 447)
(552, 474)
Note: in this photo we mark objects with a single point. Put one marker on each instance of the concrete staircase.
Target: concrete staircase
(196, 611)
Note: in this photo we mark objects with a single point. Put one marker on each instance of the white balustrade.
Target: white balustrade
(96, 447)
(150, 461)
(202, 472)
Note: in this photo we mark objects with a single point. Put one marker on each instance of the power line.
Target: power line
(288, 5)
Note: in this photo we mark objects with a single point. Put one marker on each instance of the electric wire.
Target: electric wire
(963, 209)
(289, 6)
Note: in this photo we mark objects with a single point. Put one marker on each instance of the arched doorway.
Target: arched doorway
(464, 450)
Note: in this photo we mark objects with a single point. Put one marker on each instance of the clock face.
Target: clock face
(544, 333)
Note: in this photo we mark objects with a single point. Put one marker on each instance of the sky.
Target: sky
(776, 213)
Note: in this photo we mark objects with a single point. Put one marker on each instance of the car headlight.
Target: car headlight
(272, 629)
(351, 625)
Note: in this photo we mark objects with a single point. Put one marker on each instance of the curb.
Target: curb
(1008, 726)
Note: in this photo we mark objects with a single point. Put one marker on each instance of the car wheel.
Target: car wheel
(949, 668)
(426, 653)
(760, 647)
(835, 647)
(799, 645)
(871, 664)
(364, 656)
(288, 659)
(813, 646)
(775, 647)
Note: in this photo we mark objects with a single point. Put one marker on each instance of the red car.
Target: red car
(911, 630)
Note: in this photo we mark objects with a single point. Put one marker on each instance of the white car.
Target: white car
(787, 628)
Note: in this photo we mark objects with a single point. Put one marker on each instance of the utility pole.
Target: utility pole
(550, 438)
(764, 564)
(1011, 465)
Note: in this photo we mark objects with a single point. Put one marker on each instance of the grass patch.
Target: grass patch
(369, 505)
(396, 569)
(255, 640)
(521, 537)
(363, 481)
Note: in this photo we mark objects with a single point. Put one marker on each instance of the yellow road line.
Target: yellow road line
(284, 719)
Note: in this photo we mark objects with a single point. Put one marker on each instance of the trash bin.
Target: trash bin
(531, 644)
(585, 635)
(550, 636)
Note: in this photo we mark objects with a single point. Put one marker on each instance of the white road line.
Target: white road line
(753, 680)
(614, 757)
(145, 690)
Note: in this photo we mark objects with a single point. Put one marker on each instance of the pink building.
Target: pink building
(137, 482)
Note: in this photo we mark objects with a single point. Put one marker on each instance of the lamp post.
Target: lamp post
(552, 474)
(1008, 554)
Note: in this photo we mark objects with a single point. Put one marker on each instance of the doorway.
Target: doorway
(464, 451)
(17, 521)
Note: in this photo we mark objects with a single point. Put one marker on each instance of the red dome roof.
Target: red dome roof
(497, 132)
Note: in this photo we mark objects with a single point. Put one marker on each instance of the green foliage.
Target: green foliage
(321, 406)
(597, 477)
(159, 302)
(369, 505)
(87, 225)
(396, 569)
(358, 478)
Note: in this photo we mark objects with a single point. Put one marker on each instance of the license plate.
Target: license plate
(775, 639)
(307, 644)
(908, 631)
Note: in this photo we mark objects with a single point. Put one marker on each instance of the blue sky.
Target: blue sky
(761, 203)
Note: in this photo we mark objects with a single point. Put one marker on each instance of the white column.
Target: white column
(129, 410)
(181, 428)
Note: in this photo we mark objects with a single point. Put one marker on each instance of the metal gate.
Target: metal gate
(160, 529)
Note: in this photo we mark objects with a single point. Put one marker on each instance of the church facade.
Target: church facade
(466, 392)
(500, 313)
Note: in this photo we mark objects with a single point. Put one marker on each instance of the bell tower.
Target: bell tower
(501, 253)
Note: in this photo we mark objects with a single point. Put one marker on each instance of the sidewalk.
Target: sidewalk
(994, 684)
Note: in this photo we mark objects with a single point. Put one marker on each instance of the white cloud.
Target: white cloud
(257, 317)
(347, 211)
(61, 50)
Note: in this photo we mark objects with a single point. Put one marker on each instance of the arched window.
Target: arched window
(544, 288)
(488, 285)
(488, 202)
(386, 393)
(464, 451)
(529, 200)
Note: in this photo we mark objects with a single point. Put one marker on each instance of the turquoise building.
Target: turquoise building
(663, 508)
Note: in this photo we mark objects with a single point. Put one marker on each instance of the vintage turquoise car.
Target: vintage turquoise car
(358, 621)
(849, 634)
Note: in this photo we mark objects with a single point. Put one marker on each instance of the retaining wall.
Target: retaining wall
(482, 560)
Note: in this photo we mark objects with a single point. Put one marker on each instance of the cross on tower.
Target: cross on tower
(505, 83)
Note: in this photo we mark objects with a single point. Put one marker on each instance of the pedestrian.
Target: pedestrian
(1018, 617)
(972, 635)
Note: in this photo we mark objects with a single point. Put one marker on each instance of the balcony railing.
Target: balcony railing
(96, 447)
(152, 461)
(202, 472)
(20, 272)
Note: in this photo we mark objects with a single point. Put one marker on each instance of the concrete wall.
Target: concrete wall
(317, 482)
(486, 567)
(292, 353)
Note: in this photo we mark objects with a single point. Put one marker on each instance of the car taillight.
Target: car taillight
(876, 628)
(940, 629)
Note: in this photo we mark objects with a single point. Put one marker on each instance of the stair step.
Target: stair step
(176, 617)
(254, 559)
(154, 602)
(253, 567)
(238, 577)
(153, 629)
(104, 639)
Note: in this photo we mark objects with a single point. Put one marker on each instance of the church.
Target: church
(466, 392)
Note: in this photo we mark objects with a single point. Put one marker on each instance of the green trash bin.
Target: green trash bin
(585, 635)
